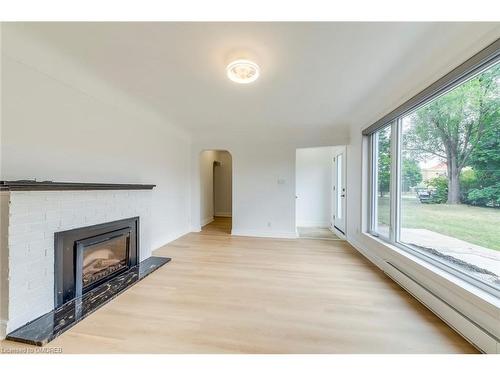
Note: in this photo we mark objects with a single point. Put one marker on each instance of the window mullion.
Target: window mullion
(397, 178)
(374, 180)
(394, 188)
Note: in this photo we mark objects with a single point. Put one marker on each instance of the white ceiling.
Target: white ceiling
(314, 76)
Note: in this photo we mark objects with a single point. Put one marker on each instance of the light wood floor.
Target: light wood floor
(223, 294)
(317, 233)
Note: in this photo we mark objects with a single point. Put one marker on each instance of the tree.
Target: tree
(485, 158)
(453, 126)
(384, 161)
(411, 173)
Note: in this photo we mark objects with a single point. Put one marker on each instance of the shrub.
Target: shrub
(440, 185)
(488, 196)
(468, 181)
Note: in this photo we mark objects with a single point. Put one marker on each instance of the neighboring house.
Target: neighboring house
(434, 171)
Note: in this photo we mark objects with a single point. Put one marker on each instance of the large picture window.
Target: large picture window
(442, 199)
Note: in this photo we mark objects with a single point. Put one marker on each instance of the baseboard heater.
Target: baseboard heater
(482, 339)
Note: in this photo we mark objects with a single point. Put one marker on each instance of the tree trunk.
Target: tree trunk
(453, 180)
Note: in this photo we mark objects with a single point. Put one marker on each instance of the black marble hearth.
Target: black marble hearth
(47, 327)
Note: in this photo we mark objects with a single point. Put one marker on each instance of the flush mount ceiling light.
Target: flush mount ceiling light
(243, 71)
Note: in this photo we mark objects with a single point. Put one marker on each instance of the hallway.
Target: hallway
(220, 226)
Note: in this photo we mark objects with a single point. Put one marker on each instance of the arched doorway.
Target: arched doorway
(216, 186)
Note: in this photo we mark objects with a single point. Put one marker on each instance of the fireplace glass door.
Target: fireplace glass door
(101, 257)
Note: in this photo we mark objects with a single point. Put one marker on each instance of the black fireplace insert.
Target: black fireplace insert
(87, 257)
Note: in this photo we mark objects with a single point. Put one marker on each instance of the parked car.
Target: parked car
(424, 195)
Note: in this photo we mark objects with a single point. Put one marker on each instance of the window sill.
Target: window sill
(458, 277)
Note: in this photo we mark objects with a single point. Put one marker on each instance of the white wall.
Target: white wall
(314, 172)
(4, 222)
(206, 162)
(4, 261)
(75, 128)
(223, 184)
(263, 182)
(261, 206)
(60, 122)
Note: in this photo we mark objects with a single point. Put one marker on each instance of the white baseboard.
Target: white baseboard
(312, 224)
(223, 214)
(195, 228)
(207, 220)
(266, 234)
(464, 326)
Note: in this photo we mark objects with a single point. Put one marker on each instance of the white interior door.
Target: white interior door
(339, 195)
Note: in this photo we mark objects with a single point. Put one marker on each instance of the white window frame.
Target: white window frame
(395, 177)
(373, 150)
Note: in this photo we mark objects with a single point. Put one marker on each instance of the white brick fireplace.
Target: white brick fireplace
(29, 220)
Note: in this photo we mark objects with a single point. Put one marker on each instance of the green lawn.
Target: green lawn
(476, 225)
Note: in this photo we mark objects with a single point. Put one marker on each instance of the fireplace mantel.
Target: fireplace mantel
(32, 185)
